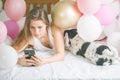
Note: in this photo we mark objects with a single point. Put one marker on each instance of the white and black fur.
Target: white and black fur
(96, 53)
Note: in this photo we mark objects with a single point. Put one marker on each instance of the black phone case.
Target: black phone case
(29, 53)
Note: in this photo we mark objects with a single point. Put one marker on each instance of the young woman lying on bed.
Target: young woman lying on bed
(38, 34)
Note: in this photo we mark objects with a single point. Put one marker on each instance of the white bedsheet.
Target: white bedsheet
(73, 68)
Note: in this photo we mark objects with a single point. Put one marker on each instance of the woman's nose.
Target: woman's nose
(36, 31)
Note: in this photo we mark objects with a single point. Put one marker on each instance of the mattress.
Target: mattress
(72, 68)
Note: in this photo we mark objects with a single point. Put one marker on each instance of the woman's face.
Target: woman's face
(38, 28)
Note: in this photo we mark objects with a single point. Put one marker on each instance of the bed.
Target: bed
(72, 68)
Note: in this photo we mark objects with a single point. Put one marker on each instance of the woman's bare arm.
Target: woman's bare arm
(59, 46)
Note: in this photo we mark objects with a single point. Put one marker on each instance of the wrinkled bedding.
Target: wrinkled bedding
(73, 67)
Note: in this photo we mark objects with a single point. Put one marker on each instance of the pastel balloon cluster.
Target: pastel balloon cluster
(15, 10)
(104, 14)
(90, 17)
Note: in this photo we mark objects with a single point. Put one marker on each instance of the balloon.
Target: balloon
(105, 14)
(1, 5)
(114, 40)
(89, 28)
(8, 57)
(3, 32)
(12, 28)
(15, 9)
(111, 28)
(65, 14)
(88, 6)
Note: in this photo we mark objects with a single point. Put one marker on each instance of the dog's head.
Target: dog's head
(106, 55)
(104, 61)
(69, 35)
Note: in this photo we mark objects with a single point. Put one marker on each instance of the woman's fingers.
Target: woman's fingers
(34, 60)
(25, 62)
(37, 60)
(24, 56)
(30, 61)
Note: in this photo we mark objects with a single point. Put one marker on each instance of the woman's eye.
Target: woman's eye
(32, 27)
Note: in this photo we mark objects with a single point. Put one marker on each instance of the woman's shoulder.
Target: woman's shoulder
(55, 30)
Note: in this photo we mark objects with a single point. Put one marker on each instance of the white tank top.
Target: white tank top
(39, 46)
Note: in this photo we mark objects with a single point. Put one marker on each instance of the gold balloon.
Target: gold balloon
(65, 14)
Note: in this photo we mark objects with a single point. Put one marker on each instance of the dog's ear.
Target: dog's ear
(71, 33)
(66, 31)
(101, 48)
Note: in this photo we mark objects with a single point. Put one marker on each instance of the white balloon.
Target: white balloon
(114, 40)
(8, 57)
(89, 28)
(1, 5)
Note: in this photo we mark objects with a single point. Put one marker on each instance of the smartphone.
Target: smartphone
(29, 53)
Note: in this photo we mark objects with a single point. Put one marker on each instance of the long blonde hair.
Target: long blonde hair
(25, 34)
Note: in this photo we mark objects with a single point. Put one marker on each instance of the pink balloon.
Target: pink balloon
(12, 28)
(88, 6)
(106, 14)
(15, 9)
(3, 32)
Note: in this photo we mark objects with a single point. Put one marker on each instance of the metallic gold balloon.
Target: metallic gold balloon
(65, 14)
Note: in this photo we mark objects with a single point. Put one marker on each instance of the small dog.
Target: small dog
(96, 53)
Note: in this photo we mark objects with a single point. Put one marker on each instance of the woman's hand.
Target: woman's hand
(38, 60)
(25, 62)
